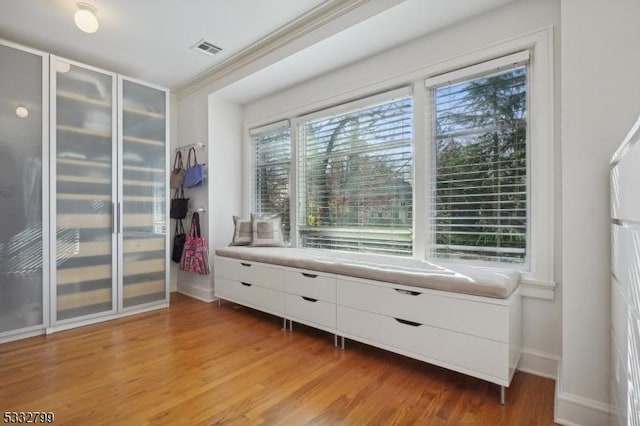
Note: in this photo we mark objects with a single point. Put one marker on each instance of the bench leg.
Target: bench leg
(219, 303)
(342, 344)
(503, 399)
(284, 323)
(335, 340)
(290, 325)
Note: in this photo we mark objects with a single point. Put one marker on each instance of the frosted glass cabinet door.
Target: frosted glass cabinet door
(144, 226)
(21, 144)
(85, 192)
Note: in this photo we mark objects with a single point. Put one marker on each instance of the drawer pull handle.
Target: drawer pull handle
(246, 284)
(309, 275)
(411, 323)
(408, 292)
(309, 299)
(245, 264)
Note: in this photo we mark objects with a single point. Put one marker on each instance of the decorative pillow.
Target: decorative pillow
(242, 233)
(267, 231)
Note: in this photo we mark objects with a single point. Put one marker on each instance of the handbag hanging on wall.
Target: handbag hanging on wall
(194, 174)
(179, 204)
(195, 256)
(179, 238)
(177, 173)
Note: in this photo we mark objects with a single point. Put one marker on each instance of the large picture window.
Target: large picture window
(480, 184)
(355, 188)
(462, 170)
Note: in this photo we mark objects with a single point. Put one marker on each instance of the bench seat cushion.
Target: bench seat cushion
(457, 278)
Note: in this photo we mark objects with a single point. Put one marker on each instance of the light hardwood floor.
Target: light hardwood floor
(196, 363)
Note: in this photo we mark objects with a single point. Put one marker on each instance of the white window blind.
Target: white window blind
(355, 184)
(480, 185)
(272, 160)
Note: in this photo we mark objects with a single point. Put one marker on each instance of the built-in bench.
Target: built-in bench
(460, 317)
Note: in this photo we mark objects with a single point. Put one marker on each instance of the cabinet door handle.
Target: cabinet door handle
(411, 323)
(114, 226)
(245, 264)
(407, 292)
(309, 299)
(309, 275)
(246, 284)
(119, 219)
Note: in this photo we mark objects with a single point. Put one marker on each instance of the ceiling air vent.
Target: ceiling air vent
(205, 47)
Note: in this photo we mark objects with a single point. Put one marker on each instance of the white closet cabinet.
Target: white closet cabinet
(108, 194)
(23, 175)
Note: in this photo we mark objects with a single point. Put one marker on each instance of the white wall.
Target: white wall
(542, 319)
(192, 128)
(217, 123)
(173, 139)
(225, 187)
(600, 102)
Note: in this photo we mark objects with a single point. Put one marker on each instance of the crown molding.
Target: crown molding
(305, 24)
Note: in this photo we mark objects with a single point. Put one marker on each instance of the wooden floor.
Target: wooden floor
(196, 363)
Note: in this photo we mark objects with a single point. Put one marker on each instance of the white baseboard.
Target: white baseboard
(575, 410)
(107, 317)
(203, 294)
(23, 334)
(539, 363)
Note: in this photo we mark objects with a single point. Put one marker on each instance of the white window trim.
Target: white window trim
(269, 127)
(539, 281)
(360, 103)
(469, 71)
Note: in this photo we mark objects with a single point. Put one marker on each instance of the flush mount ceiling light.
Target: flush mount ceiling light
(85, 18)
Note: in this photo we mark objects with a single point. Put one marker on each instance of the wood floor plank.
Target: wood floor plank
(199, 364)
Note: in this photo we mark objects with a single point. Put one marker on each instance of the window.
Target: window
(355, 185)
(272, 156)
(476, 185)
(480, 185)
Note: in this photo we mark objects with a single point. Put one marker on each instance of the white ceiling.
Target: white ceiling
(150, 39)
(399, 24)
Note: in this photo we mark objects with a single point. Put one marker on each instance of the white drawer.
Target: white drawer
(309, 284)
(248, 272)
(448, 348)
(619, 316)
(625, 176)
(619, 380)
(624, 249)
(252, 295)
(310, 311)
(445, 312)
